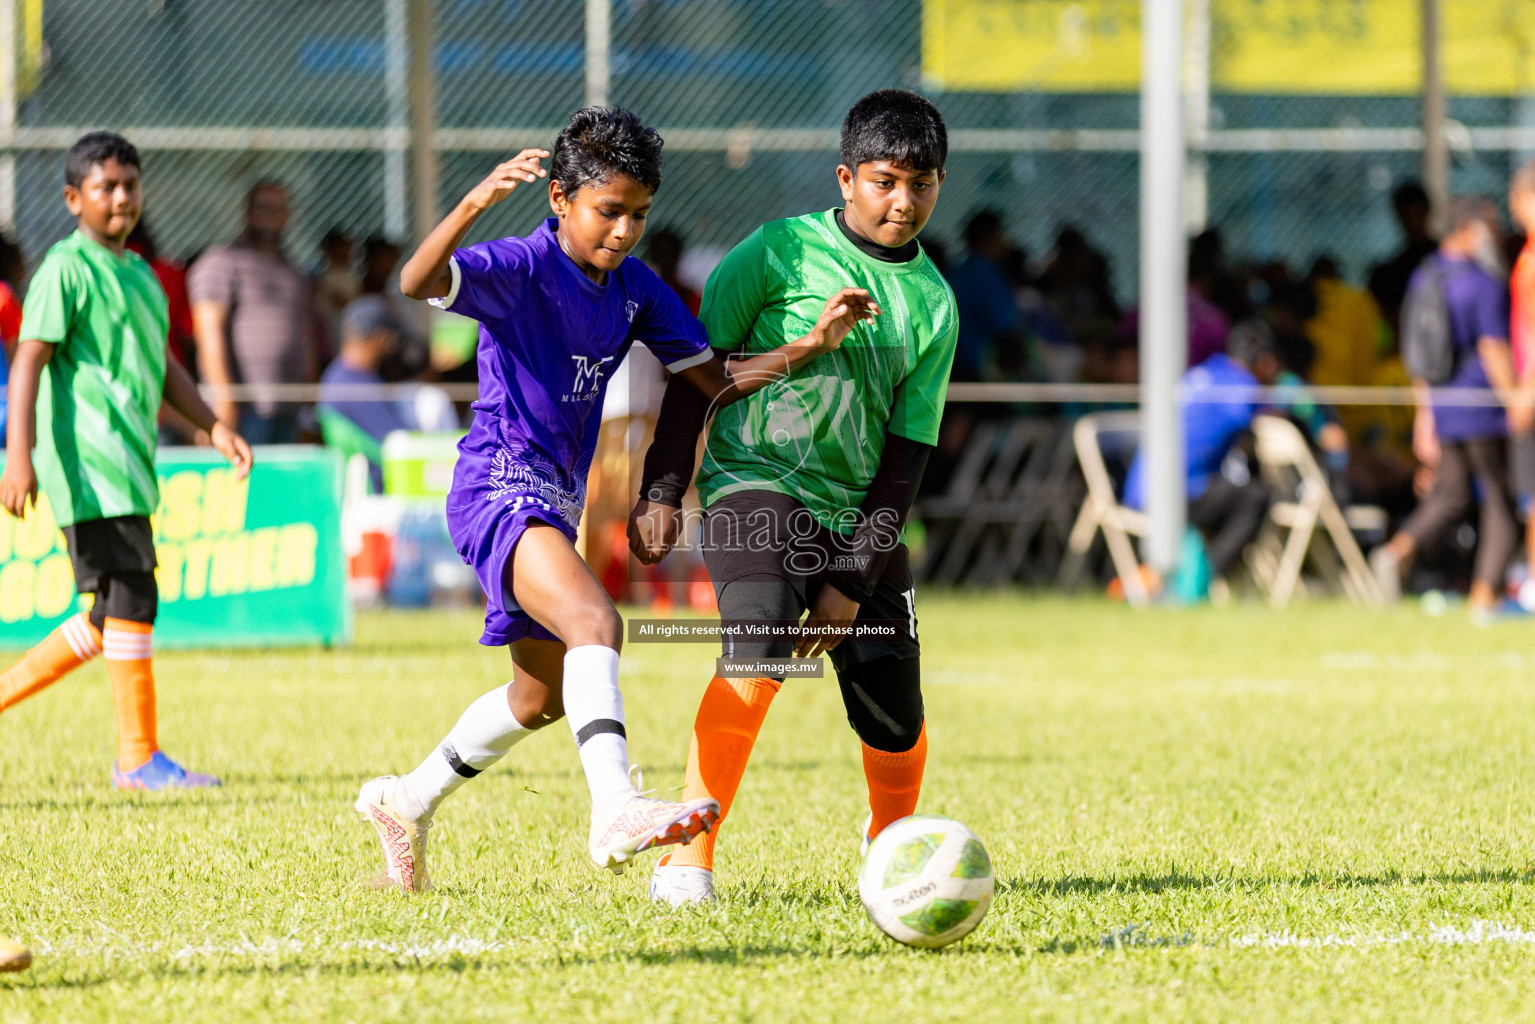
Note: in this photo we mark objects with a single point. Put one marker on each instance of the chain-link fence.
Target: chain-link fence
(1039, 96)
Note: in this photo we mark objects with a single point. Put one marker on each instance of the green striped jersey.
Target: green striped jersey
(817, 435)
(99, 403)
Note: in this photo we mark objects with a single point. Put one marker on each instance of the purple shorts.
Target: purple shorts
(486, 535)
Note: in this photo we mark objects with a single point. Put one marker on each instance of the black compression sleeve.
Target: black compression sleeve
(669, 462)
(884, 702)
(883, 513)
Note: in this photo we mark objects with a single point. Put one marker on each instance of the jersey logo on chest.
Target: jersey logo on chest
(589, 374)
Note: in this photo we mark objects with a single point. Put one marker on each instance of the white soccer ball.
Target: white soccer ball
(926, 881)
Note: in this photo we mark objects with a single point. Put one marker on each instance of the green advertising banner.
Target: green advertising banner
(242, 563)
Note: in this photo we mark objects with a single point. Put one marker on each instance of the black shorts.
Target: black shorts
(102, 548)
(764, 533)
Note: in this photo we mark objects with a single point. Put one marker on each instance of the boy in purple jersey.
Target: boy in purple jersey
(558, 310)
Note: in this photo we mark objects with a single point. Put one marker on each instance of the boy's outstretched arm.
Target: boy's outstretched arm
(181, 394)
(18, 484)
(693, 393)
(690, 396)
(426, 274)
(722, 383)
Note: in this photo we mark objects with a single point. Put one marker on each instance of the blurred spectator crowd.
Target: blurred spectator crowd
(1453, 479)
(1453, 469)
(245, 316)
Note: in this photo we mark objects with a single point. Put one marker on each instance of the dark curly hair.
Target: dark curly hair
(895, 125)
(600, 142)
(97, 148)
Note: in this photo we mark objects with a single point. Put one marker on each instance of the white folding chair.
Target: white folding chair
(1101, 509)
(944, 514)
(1285, 457)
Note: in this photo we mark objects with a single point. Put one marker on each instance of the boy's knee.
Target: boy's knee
(763, 600)
(597, 624)
(535, 707)
(884, 702)
(609, 626)
(885, 733)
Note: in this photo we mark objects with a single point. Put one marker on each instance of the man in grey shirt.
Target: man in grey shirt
(253, 320)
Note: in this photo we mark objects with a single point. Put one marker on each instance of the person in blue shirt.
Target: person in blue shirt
(990, 338)
(369, 333)
(1465, 445)
(1220, 399)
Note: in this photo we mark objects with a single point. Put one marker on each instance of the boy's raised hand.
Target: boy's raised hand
(503, 181)
(841, 314)
(426, 275)
(18, 486)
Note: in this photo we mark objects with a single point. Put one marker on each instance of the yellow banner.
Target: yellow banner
(1365, 47)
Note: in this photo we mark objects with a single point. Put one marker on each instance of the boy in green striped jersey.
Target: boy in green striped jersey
(807, 483)
(90, 375)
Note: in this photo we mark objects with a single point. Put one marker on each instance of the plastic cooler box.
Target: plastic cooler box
(419, 465)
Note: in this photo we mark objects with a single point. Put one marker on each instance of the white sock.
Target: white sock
(595, 710)
(485, 732)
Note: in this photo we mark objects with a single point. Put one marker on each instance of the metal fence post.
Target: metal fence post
(1436, 150)
(423, 115)
(1196, 106)
(1164, 278)
(8, 105)
(397, 118)
(599, 15)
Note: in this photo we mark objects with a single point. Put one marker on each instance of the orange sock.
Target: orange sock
(895, 781)
(727, 725)
(129, 652)
(65, 649)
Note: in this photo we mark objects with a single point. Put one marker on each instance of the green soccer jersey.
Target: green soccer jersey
(99, 403)
(817, 435)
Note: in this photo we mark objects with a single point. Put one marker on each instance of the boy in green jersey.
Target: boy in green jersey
(90, 375)
(807, 483)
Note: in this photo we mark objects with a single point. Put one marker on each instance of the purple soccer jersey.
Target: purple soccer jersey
(549, 338)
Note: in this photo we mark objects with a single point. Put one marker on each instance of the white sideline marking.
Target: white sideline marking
(452, 945)
(1477, 933)
(1130, 937)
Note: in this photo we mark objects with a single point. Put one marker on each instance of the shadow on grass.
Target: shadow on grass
(381, 964)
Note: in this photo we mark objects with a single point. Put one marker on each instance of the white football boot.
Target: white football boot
(681, 885)
(863, 834)
(643, 823)
(403, 839)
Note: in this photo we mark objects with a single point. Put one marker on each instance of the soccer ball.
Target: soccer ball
(926, 881)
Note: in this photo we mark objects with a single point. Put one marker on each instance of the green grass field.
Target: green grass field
(1210, 814)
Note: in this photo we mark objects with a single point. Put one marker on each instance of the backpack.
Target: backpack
(1428, 347)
